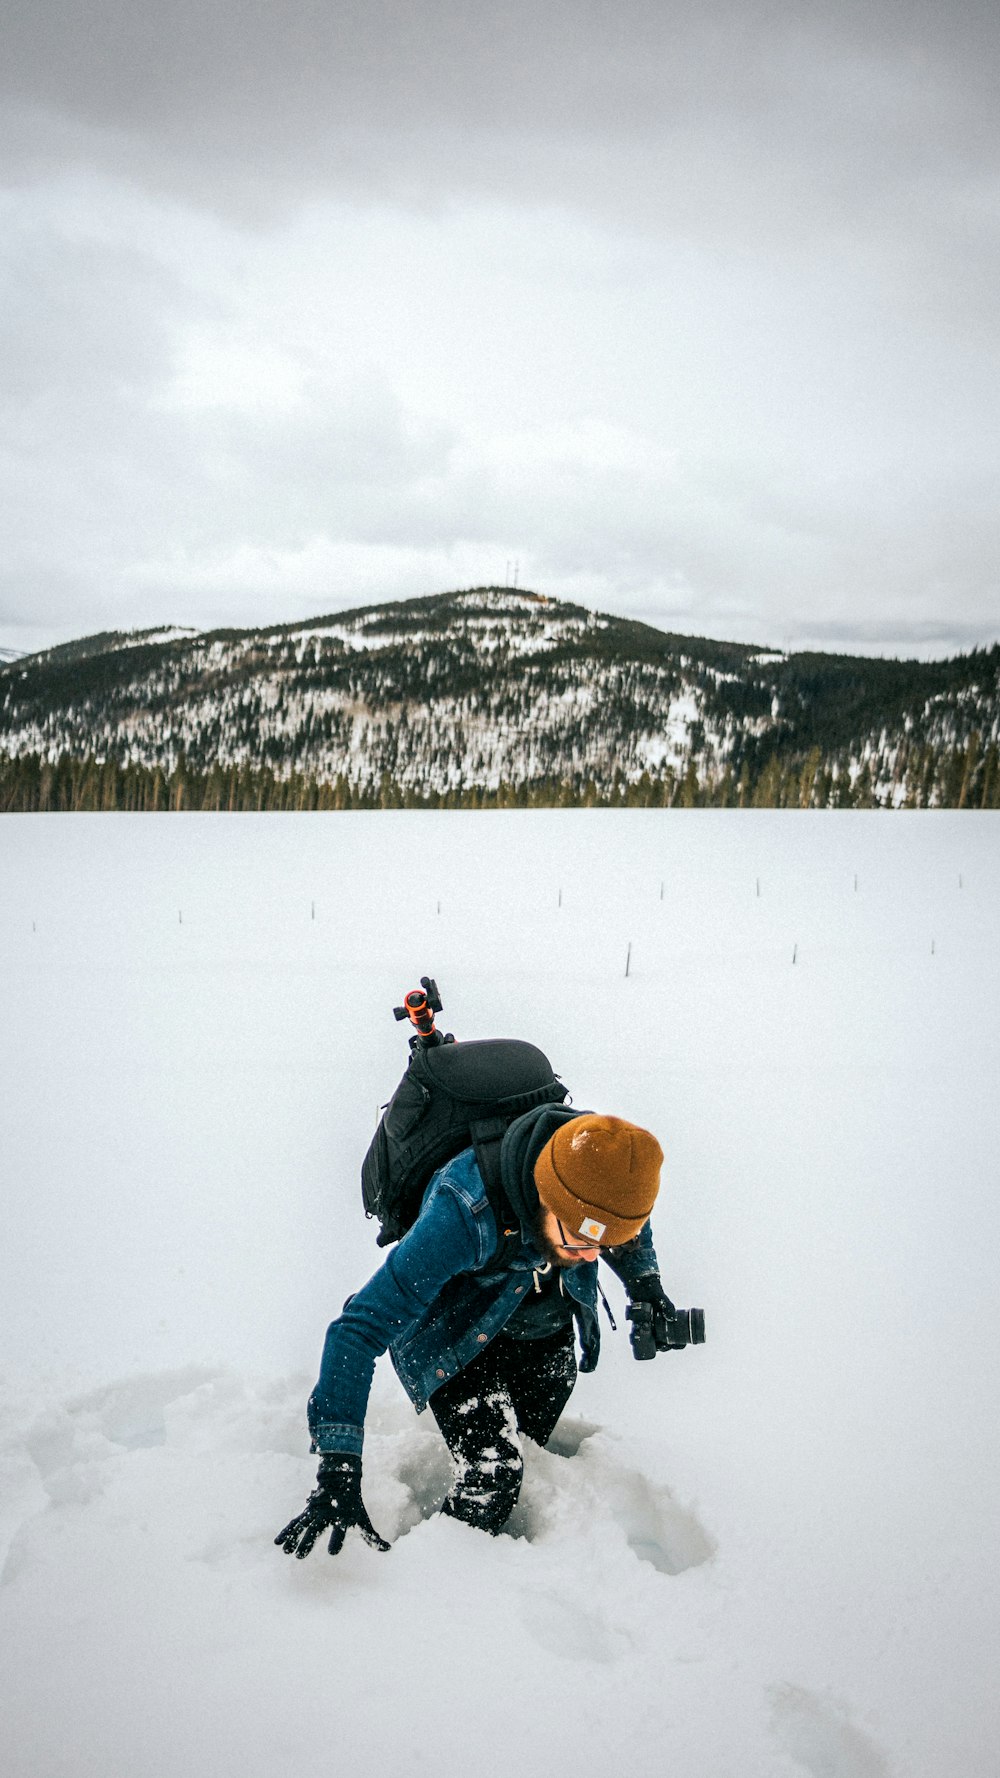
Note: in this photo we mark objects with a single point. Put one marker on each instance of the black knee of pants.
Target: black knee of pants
(516, 1387)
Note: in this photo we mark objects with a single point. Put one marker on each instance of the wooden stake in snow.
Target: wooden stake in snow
(758, 885)
(312, 907)
(560, 897)
(795, 952)
(628, 957)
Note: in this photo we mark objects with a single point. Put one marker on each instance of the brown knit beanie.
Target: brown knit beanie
(600, 1177)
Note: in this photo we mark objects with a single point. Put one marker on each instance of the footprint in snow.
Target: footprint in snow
(129, 1414)
(657, 1528)
(569, 1435)
(566, 1629)
(820, 1736)
(596, 1484)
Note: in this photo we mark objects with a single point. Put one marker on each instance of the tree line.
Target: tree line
(921, 777)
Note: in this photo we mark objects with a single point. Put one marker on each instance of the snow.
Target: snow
(771, 1555)
(673, 738)
(332, 632)
(164, 633)
(489, 633)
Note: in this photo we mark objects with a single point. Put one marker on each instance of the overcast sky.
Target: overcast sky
(691, 312)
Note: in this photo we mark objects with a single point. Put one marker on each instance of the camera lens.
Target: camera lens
(697, 1327)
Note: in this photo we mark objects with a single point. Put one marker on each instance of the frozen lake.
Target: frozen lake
(772, 1555)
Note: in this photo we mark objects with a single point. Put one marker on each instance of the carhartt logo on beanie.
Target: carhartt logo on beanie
(600, 1176)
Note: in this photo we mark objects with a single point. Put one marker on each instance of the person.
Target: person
(479, 1316)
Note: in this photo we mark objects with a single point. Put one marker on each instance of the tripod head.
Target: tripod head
(419, 1006)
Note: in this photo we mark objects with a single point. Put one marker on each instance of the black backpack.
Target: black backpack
(452, 1095)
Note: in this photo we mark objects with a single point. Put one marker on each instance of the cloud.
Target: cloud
(689, 311)
(781, 113)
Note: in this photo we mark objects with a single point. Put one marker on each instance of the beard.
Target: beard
(564, 1261)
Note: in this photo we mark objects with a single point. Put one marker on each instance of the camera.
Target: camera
(658, 1329)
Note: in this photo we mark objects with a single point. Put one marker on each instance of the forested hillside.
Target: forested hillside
(486, 698)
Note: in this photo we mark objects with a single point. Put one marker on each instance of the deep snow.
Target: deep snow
(773, 1555)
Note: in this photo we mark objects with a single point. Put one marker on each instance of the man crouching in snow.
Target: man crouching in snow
(488, 1347)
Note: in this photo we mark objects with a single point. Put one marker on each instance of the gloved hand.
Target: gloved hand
(648, 1289)
(334, 1503)
(649, 1324)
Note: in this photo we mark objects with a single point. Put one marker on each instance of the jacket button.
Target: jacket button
(481, 1338)
(440, 1373)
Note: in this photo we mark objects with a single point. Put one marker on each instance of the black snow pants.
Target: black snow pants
(516, 1387)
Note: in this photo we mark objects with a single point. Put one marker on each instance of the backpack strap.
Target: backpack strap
(487, 1140)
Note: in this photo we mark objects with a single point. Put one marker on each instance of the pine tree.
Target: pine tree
(991, 778)
(768, 785)
(689, 787)
(971, 757)
(808, 778)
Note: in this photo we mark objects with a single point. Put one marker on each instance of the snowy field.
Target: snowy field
(773, 1555)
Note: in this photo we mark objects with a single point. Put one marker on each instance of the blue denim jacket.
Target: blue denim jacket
(434, 1308)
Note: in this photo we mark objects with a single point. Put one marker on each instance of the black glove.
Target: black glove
(335, 1502)
(648, 1289)
(649, 1311)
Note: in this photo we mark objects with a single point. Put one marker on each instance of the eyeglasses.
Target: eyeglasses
(575, 1246)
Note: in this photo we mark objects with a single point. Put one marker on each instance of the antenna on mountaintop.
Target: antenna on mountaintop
(517, 566)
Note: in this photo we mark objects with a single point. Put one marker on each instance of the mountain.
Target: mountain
(491, 694)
